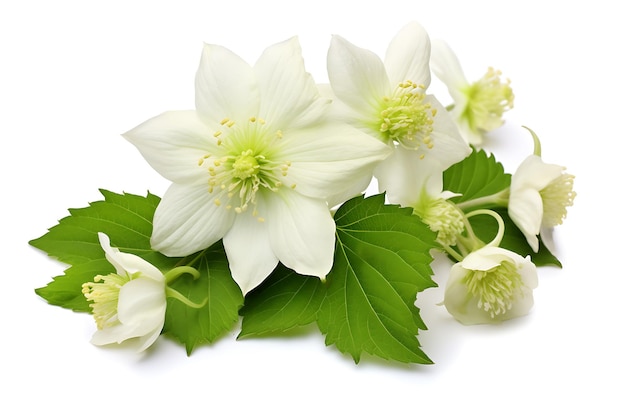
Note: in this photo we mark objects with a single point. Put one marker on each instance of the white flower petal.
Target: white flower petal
(226, 86)
(326, 159)
(302, 233)
(446, 66)
(249, 251)
(357, 76)
(448, 145)
(408, 55)
(526, 211)
(280, 71)
(405, 178)
(142, 301)
(127, 262)
(173, 142)
(188, 220)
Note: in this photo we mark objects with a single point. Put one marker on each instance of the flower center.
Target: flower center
(442, 217)
(496, 288)
(104, 294)
(487, 99)
(405, 118)
(557, 197)
(245, 164)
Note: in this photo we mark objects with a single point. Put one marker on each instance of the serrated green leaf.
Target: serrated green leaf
(126, 218)
(478, 175)
(285, 300)
(66, 290)
(194, 326)
(382, 261)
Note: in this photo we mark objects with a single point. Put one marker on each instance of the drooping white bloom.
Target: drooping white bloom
(388, 101)
(540, 195)
(254, 164)
(490, 285)
(478, 106)
(128, 305)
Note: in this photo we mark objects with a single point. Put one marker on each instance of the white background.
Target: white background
(74, 75)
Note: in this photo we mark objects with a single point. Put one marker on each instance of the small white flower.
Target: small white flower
(478, 106)
(540, 195)
(128, 305)
(490, 285)
(388, 101)
(254, 164)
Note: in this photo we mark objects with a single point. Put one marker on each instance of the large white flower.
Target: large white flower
(128, 305)
(478, 106)
(540, 195)
(388, 101)
(490, 285)
(254, 164)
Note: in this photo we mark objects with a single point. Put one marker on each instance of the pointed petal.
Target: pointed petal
(127, 262)
(226, 86)
(405, 178)
(325, 160)
(289, 96)
(448, 145)
(173, 142)
(446, 66)
(188, 220)
(357, 76)
(408, 56)
(302, 233)
(526, 211)
(249, 251)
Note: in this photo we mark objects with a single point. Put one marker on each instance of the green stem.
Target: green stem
(173, 274)
(500, 198)
(170, 292)
(498, 239)
(537, 150)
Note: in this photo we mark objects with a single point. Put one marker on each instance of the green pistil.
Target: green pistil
(495, 288)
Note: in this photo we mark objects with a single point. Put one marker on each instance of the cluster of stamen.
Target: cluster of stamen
(245, 166)
(557, 196)
(487, 100)
(406, 118)
(496, 288)
(104, 294)
(445, 219)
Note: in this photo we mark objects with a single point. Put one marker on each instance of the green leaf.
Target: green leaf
(66, 290)
(127, 220)
(194, 326)
(382, 261)
(478, 175)
(285, 300)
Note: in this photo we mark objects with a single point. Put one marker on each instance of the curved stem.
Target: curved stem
(170, 292)
(537, 150)
(456, 255)
(173, 274)
(498, 239)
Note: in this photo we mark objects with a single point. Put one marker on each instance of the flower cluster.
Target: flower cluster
(267, 162)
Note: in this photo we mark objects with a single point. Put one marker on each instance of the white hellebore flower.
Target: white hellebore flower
(478, 106)
(254, 164)
(128, 305)
(490, 285)
(540, 195)
(388, 101)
